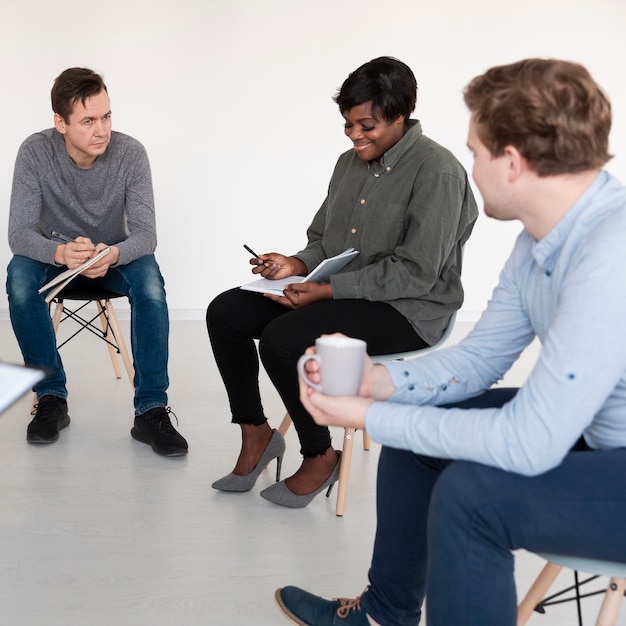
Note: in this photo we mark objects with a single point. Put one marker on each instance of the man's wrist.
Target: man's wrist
(382, 387)
(59, 254)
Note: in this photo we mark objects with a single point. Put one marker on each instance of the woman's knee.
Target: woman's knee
(222, 307)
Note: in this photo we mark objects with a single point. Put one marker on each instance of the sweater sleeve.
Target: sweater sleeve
(25, 236)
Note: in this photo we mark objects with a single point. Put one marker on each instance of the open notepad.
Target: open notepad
(16, 380)
(62, 280)
(320, 274)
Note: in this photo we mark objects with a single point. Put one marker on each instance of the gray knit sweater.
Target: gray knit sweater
(112, 202)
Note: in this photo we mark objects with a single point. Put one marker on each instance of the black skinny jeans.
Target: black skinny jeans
(237, 317)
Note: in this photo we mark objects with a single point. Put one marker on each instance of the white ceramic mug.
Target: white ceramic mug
(340, 361)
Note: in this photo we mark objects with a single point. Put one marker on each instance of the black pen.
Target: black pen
(63, 237)
(255, 255)
(60, 236)
(251, 251)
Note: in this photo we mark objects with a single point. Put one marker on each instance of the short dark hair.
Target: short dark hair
(73, 85)
(552, 111)
(386, 82)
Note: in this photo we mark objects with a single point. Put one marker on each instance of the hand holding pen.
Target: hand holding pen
(273, 265)
(74, 251)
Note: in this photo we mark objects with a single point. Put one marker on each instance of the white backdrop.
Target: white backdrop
(233, 101)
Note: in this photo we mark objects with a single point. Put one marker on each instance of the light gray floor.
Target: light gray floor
(98, 530)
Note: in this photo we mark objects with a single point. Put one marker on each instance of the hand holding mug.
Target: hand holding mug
(340, 360)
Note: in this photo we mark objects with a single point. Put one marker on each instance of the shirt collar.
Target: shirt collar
(546, 250)
(393, 155)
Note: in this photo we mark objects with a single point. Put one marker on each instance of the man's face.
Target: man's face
(88, 130)
(372, 137)
(491, 177)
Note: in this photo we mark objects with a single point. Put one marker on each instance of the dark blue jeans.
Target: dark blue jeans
(140, 280)
(446, 529)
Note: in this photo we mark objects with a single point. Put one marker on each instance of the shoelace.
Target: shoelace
(46, 412)
(347, 605)
(162, 422)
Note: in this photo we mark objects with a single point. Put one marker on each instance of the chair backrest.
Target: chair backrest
(401, 356)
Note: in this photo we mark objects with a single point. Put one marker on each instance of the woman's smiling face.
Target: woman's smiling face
(371, 136)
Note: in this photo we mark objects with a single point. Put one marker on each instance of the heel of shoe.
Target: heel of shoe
(279, 464)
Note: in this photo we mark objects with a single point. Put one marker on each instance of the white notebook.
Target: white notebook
(59, 283)
(320, 274)
(15, 381)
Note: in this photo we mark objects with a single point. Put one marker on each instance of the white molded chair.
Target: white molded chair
(348, 433)
(535, 599)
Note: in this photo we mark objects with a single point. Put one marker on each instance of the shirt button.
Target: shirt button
(353, 231)
(376, 175)
(362, 200)
(388, 169)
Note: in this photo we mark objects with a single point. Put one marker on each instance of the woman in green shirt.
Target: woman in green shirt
(405, 203)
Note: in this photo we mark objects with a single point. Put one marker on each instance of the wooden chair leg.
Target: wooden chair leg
(344, 470)
(285, 424)
(108, 338)
(346, 458)
(121, 344)
(367, 442)
(537, 592)
(611, 603)
(56, 316)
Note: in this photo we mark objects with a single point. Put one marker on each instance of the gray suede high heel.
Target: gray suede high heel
(234, 482)
(280, 494)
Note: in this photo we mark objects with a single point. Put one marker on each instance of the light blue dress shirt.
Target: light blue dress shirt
(569, 291)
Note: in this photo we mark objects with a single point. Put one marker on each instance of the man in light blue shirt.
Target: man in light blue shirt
(469, 473)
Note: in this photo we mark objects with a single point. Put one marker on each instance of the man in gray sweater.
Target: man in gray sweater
(79, 188)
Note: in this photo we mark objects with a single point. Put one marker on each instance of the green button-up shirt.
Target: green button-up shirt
(409, 216)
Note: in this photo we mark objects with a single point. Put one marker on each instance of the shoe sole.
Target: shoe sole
(37, 439)
(137, 435)
(286, 612)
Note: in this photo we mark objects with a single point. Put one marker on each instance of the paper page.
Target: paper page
(15, 381)
(63, 279)
(320, 274)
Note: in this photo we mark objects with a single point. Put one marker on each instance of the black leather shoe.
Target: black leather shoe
(155, 428)
(50, 417)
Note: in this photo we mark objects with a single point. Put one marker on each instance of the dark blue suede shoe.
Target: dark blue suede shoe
(305, 609)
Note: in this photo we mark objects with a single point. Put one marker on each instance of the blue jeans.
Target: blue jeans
(140, 281)
(446, 529)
